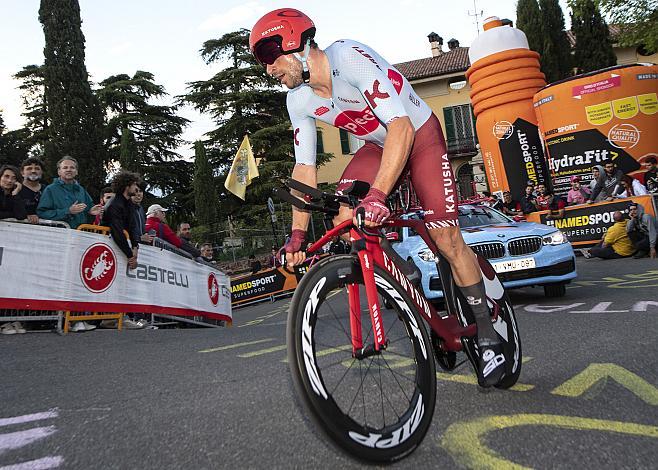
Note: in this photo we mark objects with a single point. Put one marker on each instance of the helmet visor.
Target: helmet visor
(267, 51)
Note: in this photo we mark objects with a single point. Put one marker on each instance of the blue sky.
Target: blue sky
(164, 36)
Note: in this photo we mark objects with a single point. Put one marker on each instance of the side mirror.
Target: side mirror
(393, 236)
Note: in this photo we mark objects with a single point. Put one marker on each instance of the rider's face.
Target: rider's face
(287, 70)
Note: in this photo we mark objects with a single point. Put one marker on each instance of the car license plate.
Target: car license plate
(514, 265)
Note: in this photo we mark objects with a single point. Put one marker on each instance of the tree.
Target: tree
(593, 49)
(243, 99)
(205, 192)
(76, 122)
(528, 20)
(556, 58)
(143, 136)
(128, 155)
(36, 113)
(637, 21)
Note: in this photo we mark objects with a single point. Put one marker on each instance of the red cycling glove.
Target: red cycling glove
(297, 239)
(375, 207)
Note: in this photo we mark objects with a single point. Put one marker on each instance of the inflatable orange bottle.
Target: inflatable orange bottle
(504, 76)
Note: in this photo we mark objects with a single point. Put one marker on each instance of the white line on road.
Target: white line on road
(40, 464)
(237, 345)
(15, 440)
(29, 418)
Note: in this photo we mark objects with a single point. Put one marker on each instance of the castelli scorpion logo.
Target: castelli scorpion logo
(213, 288)
(98, 267)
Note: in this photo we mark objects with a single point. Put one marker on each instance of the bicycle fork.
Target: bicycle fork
(368, 271)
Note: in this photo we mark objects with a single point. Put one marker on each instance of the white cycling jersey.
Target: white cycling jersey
(367, 93)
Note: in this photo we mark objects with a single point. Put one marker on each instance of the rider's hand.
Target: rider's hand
(293, 249)
(374, 205)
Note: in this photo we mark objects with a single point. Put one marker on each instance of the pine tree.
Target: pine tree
(128, 156)
(528, 20)
(34, 101)
(76, 122)
(205, 192)
(556, 51)
(593, 49)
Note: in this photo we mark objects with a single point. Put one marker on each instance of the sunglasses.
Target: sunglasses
(266, 52)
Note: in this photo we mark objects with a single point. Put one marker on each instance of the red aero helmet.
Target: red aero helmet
(290, 28)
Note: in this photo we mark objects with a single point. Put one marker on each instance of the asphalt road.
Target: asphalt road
(220, 398)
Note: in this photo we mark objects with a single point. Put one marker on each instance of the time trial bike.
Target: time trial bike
(361, 360)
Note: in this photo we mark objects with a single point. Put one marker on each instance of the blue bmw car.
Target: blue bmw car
(522, 253)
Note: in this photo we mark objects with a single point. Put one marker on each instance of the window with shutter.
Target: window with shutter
(319, 146)
(450, 124)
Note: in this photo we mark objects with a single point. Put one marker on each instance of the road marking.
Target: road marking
(595, 373)
(326, 352)
(601, 307)
(464, 440)
(39, 464)
(29, 418)
(236, 345)
(472, 380)
(264, 351)
(260, 319)
(15, 440)
(536, 308)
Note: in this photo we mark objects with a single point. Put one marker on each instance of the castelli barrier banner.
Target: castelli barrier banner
(48, 268)
(585, 224)
(610, 114)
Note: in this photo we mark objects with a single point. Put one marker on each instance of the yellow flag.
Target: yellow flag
(243, 170)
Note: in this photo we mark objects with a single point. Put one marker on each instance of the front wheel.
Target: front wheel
(377, 408)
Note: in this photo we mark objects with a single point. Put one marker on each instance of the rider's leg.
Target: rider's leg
(467, 275)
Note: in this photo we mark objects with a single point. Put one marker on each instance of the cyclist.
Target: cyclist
(350, 86)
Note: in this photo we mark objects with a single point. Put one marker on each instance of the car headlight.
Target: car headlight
(427, 255)
(555, 238)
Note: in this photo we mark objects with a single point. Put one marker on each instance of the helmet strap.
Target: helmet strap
(306, 75)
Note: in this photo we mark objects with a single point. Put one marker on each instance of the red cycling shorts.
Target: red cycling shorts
(429, 169)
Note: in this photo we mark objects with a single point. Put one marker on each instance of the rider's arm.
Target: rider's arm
(399, 139)
(307, 174)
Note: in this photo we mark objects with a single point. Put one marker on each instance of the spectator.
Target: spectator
(339, 246)
(274, 261)
(11, 206)
(607, 185)
(184, 232)
(577, 194)
(555, 204)
(542, 198)
(106, 195)
(155, 226)
(254, 264)
(598, 173)
(533, 184)
(651, 175)
(120, 217)
(642, 230)
(65, 200)
(32, 172)
(207, 252)
(529, 200)
(139, 214)
(630, 187)
(615, 243)
(510, 206)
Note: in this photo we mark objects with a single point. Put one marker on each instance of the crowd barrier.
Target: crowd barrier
(585, 224)
(47, 271)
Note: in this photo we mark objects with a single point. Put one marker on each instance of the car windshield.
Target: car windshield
(474, 216)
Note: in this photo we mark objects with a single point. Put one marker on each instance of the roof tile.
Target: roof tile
(452, 61)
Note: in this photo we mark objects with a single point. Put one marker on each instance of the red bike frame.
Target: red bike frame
(371, 254)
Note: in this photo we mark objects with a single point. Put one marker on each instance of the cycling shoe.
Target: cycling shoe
(491, 362)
